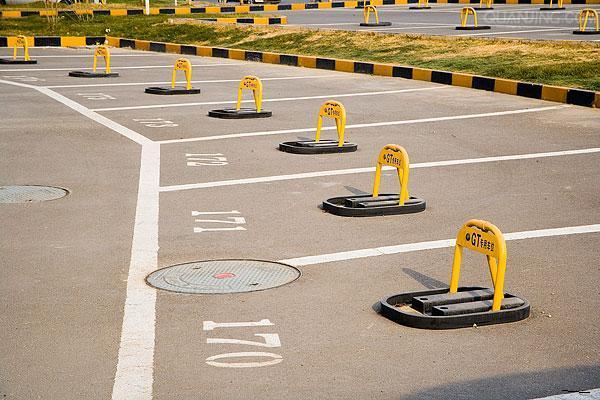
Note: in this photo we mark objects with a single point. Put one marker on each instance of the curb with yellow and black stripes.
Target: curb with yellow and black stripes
(559, 94)
(580, 97)
(263, 7)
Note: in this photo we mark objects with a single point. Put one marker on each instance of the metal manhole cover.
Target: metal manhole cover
(30, 193)
(223, 276)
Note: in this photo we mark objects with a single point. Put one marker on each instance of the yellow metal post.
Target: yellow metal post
(332, 109)
(584, 16)
(367, 12)
(102, 51)
(397, 157)
(485, 238)
(250, 83)
(182, 64)
(488, 3)
(21, 42)
(464, 16)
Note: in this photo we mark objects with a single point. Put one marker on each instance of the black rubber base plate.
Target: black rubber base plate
(552, 8)
(397, 308)
(482, 8)
(83, 74)
(376, 24)
(232, 113)
(351, 206)
(586, 32)
(169, 91)
(11, 61)
(472, 28)
(320, 147)
(419, 8)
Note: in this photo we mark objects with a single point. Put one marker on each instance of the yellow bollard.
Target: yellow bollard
(394, 156)
(21, 41)
(250, 83)
(559, 6)
(485, 5)
(421, 5)
(182, 64)
(102, 51)
(332, 109)
(485, 238)
(464, 18)
(367, 12)
(584, 16)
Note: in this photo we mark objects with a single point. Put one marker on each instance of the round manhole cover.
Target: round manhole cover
(30, 193)
(223, 276)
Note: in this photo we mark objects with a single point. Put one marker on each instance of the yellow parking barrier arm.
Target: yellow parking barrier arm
(21, 42)
(488, 3)
(182, 64)
(367, 11)
(464, 16)
(102, 51)
(397, 157)
(336, 110)
(584, 16)
(485, 238)
(252, 83)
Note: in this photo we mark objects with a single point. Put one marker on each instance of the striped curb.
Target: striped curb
(558, 94)
(265, 7)
(580, 97)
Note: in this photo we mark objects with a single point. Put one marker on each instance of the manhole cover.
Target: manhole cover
(223, 276)
(28, 194)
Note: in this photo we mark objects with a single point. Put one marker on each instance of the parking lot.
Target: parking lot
(506, 21)
(154, 182)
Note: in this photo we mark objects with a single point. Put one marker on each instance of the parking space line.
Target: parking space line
(349, 171)
(367, 125)
(430, 245)
(271, 100)
(117, 68)
(135, 366)
(205, 81)
(112, 55)
(512, 32)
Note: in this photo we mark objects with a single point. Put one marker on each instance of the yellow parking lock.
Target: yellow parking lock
(394, 156)
(102, 51)
(250, 83)
(182, 64)
(421, 5)
(21, 42)
(17, 42)
(367, 10)
(464, 18)
(485, 238)
(335, 110)
(584, 16)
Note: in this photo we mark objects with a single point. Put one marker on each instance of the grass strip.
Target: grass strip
(562, 63)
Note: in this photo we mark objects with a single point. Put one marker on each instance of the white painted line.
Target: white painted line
(206, 81)
(335, 172)
(135, 366)
(408, 28)
(511, 32)
(368, 125)
(134, 375)
(115, 68)
(591, 394)
(271, 100)
(430, 245)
